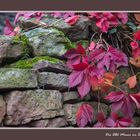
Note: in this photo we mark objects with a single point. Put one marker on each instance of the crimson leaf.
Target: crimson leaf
(84, 115)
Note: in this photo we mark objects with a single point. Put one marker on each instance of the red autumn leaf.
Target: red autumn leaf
(9, 29)
(136, 99)
(28, 15)
(104, 83)
(123, 17)
(72, 20)
(80, 66)
(75, 78)
(84, 115)
(120, 121)
(137, 35)
(132, 81)
(84, 87)
(110, 59)
(92, 46)
(135, 49)
(75, 56)
(126, 103)
(107, 20)
(103, 122)
(79, 78)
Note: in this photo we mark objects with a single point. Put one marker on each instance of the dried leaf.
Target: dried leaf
(135, 61)
(132, 81)
(137, 17)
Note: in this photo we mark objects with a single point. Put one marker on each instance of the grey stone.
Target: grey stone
(71, 109)
(11, 78)
(2, 108)
(53, 80)
(76, 32)
(26, 106)
(56, 122)
(74, 96)
(10, 52)
(44, 65)
(48, 41)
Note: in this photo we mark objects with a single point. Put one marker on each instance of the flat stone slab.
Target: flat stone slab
(26, 106)
(53, 80)
(44, 65)
(11, 78)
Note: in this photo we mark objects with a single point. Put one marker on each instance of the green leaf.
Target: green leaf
(112, 31)
(132, 26)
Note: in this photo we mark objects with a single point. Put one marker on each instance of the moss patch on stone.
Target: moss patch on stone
(28, 63)
(24, 42)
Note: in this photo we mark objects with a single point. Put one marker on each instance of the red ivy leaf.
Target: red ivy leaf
(136, 99)
(84, 115)
(75, 56)
(9, 29)
(84, 87)
(75, 78)
(137, 35)
(103, 122)
(72, 20)
(110, 59)
(120, 122)
(28, 15)
(126, 103)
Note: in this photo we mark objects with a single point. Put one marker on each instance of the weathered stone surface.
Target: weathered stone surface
(74, 96)
(48, 41)
(25, 106)
(2, 108)
(44, 65)
(8, 51)
(11, 78)
(71, 109)
(76, 32)
(53, 80)
(56, 122)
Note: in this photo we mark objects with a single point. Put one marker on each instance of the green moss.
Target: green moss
(24, 42)
(28, 63)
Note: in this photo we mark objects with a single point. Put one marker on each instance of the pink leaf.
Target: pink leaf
(92, 45)
(137, 35)
(84, 87)
(84, 115)
(136, 99)
(75, 78)
(80, 49)
(122, 102)
(123, 17)
(80, 66)
(9, 29)
(72, 20)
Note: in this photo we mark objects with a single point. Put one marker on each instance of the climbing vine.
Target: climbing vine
(95, 66)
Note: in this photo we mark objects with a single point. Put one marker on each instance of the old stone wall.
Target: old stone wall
(34, 88)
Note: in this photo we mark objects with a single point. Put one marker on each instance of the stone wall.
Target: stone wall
(34, 88)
